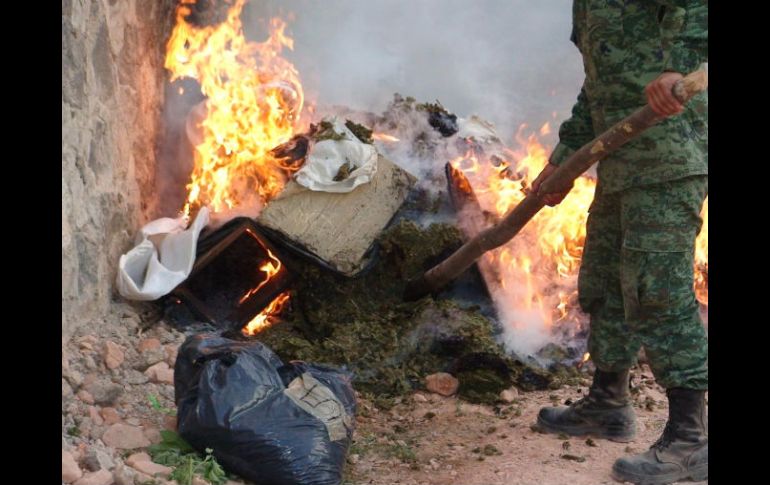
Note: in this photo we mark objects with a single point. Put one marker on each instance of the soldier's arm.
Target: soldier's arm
(574, 132)
(690, 48)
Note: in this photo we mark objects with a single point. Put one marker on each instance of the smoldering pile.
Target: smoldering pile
(363, 324)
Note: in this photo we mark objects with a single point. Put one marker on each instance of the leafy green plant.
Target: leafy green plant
(158, 407)
(174, 451)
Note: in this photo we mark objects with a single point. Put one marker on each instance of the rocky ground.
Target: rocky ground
(112, 375)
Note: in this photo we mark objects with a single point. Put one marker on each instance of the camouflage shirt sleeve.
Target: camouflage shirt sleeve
(574, 132)
(690, 48)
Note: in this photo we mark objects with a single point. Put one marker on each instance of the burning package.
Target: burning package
(338, 160)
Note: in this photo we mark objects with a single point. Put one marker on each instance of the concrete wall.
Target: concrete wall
(112, 94)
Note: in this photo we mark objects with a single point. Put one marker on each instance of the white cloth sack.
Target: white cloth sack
(327, 156)
(146, 272)
(480, 130)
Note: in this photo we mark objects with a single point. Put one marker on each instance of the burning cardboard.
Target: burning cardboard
(337, 229)
(239, 279)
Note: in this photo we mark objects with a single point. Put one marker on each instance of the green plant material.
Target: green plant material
(174, 451)
(363, 444)
(158, 407)
(73, 431)
(344, 171)
(431, 107)
(325, 131)
(403, 452)
(362, 133)
(482, 386)
(591, 442)
(390, 345)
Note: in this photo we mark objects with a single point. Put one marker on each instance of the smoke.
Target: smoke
(508, 61)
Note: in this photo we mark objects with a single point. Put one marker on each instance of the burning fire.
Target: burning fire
(254, 102)
(537, 270)
(271, 268)
(254, 99)
(268, 316)
(384, 137)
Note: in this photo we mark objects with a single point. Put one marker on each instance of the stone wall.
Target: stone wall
(112, 94)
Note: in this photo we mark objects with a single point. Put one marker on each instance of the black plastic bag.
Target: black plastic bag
(269, 422)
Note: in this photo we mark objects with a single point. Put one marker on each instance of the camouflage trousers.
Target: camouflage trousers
(636, 281)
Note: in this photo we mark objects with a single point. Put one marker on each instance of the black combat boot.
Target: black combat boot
(605, 413)
(682, 451)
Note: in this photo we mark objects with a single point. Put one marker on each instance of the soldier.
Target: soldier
(636, 277)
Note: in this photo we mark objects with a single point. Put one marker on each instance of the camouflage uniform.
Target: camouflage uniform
(636, 278)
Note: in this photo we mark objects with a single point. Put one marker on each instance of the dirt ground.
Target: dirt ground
(423, 439)
(430, 439)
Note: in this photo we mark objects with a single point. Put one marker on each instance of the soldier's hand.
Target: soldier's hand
(660, 97)
(549, 199)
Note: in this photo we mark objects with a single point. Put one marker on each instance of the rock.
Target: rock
(152, 469)
(509, 395)
(419, 398)
(125, 437)
(160, 373)
(110, 415)
(169, 422)
(95, 416)
(442, 383)
(102, 477)
(85, 396)
(149, 358)
(137, 457)
(84, 425)
(135, 377)
(87, 342)
(152, 434)
(89, 379)
(97, 432)
(171, 353)
(89, 362)
(105, 392)
(70, 471)
(66, 389)
(112, 354)
(75, 378)
(148, 344)
(123, 475)
(96, 460)
(354, 458)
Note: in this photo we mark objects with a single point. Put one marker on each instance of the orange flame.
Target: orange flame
(271, 267)
(268, 316)
(702, 258)
(384, 137)
(538, 268)
(254, 101)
